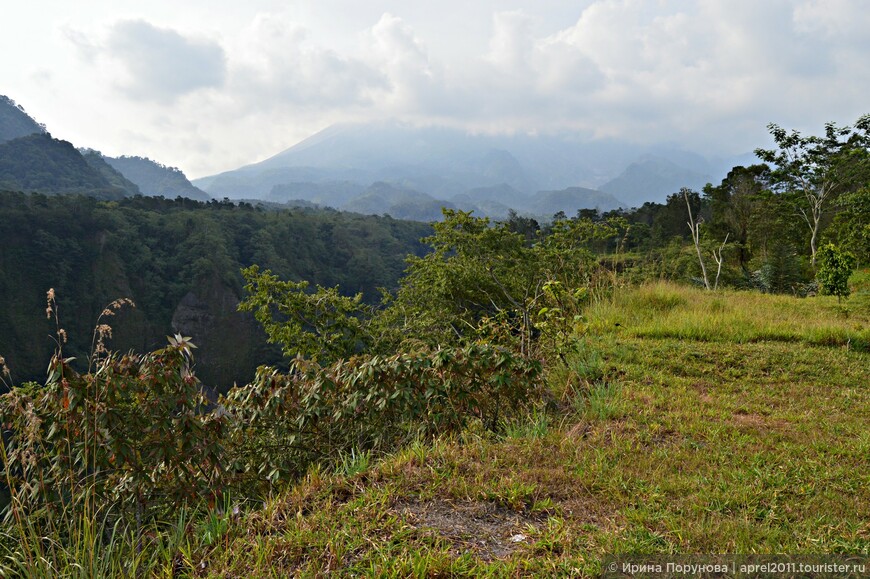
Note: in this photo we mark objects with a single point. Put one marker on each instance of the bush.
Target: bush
(132, 432)
(835, 267)
(284, 422)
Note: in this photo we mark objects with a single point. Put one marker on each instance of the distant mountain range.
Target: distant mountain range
(31, 160)
(405, 171)
(379, 168)
(154, 179)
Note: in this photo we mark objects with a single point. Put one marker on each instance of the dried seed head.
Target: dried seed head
(49, 303)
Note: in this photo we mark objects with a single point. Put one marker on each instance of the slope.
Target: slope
(154, 179)
(14, 122)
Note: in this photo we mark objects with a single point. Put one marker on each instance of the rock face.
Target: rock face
(229, 343)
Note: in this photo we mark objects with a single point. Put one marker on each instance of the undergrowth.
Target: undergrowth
(681, 421)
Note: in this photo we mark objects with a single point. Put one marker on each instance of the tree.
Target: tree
(810, 168)
(323, 326)
(835, 267)
(735, 205)
(852, 224)
(485, 281)
(695, 227)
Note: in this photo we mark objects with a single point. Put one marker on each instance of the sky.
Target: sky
(209, 86)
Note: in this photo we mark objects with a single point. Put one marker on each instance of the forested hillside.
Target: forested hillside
(40, 163)
(180, 262)
(155, 179)
(14, 122)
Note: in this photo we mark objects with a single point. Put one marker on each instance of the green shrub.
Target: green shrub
(835, 267)
(281, 423)
(132, 432)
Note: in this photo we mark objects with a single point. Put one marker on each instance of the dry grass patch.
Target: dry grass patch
(487, 530)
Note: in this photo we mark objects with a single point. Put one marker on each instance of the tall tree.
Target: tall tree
(810, 168)
(735, 204)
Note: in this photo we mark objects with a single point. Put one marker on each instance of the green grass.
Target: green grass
(685, 422)
(669, 311)
(701, 423)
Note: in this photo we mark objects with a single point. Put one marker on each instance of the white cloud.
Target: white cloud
(392, 47)
(161, 63)
(704, 73)
(276, 65)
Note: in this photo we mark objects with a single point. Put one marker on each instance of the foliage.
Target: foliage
(851, 226)
(324, 326)
(781, 271)
(134, 439)
(284, 422)
(163, 252)
(835, 267)
(485, 280)
(813, 170)
(132, 432)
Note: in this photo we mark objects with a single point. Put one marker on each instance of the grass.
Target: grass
(686, 422)
(668, 311)
(703, 423)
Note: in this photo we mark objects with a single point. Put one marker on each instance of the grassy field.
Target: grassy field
(689, 422)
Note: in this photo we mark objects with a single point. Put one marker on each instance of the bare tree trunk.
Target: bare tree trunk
(717, 255)
(695, 228)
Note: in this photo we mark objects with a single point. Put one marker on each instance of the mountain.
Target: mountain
(570, 200)
(115, 178)
(653, 179)
(154, 179)
(331, 193)
(496, 202)
(398, 202)
(14, 122)
(40, 163)
(459, 167)
(439, 161)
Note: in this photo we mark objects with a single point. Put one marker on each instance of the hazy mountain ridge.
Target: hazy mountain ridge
(457, 168)
(653, 179)
(397, 201)
(154, 179)
(112, 175)
(32, 160)
(15, 122)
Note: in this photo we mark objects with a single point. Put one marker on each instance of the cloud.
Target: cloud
(162, 64)
(414, 84)
(512, 42)
(708, 74)
(275, 64)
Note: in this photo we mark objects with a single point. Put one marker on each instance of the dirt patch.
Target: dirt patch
(759, 421)
(486, 529)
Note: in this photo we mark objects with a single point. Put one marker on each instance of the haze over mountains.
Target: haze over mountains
(31, 160)
(379, 168)
(390, 167)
